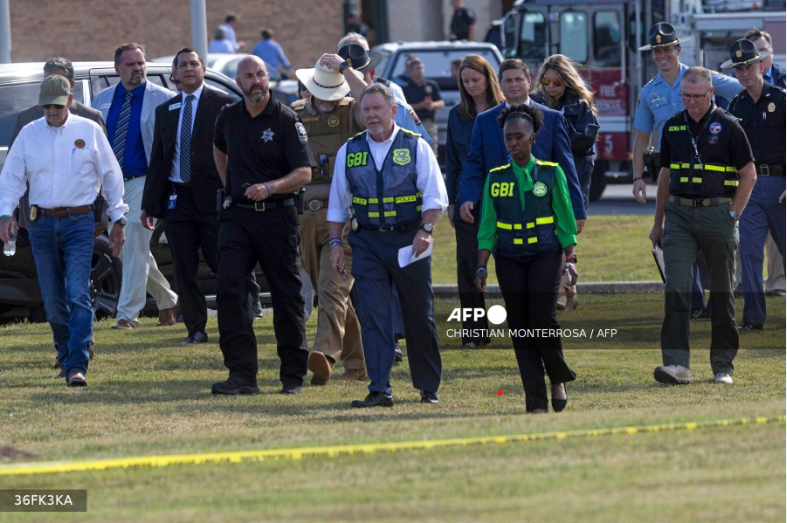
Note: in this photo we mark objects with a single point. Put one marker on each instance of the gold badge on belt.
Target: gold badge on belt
(33, 213)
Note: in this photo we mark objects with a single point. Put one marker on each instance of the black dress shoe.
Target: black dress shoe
(374, 399)
(748, 327)
(398, 355)
(234, 386)
(429, 397)
(291, 389)
(557, 404)
(197, 337)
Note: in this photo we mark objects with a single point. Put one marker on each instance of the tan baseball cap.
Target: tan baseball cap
(54, 90)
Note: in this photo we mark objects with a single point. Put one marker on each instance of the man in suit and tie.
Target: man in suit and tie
(129, 110)
(182, 183)
(488, 150)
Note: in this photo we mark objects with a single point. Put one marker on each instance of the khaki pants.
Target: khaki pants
(338, 329)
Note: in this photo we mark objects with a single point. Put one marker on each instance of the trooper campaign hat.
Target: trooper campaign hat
(359, 58)
(54, 91)
(744, 52)
(324, 83)
(663, 35)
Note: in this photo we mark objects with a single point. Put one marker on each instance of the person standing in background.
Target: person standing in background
(230, 24)
(220, 43)
(424, 96)
(561, 88)
(271, 52)
(479, 90)
(462, 22)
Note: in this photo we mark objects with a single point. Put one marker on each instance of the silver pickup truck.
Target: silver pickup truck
(437, 57)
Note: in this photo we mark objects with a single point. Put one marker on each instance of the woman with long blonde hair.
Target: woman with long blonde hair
(479, 90)
(560, 87)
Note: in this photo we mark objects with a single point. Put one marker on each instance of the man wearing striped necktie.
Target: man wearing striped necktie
(129, 111)
(182, 183)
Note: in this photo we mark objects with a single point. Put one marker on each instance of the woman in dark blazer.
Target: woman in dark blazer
(560, 87)
(479, 90)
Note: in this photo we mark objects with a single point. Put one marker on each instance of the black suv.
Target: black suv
(18, 278)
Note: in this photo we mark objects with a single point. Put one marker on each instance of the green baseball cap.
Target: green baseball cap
(54, 90)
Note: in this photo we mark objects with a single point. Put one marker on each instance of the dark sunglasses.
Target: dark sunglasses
(556, 83)
(56, 106)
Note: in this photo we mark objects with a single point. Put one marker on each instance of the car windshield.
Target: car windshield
(437, 63)
(14, 98)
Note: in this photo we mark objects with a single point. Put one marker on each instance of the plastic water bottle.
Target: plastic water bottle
(9, 249)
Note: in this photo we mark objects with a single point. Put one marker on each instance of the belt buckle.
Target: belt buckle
(765, 169)
(314, 205)
(257, 208)
(697, 203)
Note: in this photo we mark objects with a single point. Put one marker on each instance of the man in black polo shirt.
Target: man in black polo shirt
(705, 183)
(462, 23)
(263, 158)
(424, 96)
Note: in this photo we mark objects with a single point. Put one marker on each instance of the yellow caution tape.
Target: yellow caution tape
(353, 450)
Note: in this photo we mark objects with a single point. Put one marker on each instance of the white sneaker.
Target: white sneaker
(723, 377)
(673, 374)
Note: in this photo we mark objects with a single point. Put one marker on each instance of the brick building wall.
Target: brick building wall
(92, 29)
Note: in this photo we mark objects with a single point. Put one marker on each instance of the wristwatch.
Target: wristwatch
(735, 215)
(344, 66)
(122, 221)
(427, 228)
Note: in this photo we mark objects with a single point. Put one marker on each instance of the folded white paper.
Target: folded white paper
(406, 255)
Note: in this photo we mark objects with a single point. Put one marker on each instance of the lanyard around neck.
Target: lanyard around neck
(702, 128)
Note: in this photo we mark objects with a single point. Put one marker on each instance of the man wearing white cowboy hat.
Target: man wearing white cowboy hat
(760, 107)
(330, 119)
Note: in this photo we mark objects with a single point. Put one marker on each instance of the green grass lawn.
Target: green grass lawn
(148, 395)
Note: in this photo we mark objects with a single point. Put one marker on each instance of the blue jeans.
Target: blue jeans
(63, 251)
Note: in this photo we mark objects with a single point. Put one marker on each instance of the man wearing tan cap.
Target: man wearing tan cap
(330, 119)
(67, 160)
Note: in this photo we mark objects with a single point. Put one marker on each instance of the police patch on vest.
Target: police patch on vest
(539, 189)
(401, 156)
(333, 121)
(715, 128)
(301, 132)
(771, 107)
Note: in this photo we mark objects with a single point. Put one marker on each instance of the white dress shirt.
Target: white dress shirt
(429, 182)
(174, 175)
(526, 102)
(66, 167)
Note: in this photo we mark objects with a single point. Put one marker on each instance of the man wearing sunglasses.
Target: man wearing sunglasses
(705, 183)
(67, 160)
(760, 107)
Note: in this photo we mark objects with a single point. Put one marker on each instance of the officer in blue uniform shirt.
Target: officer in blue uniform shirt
(761, 110)
(390, 179)
(658, 100)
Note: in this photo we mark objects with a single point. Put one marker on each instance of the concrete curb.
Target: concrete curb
(612, 287)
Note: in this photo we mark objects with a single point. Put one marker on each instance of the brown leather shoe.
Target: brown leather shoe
(168, 317)
(353, 375)
(321, 367)
(124, 325)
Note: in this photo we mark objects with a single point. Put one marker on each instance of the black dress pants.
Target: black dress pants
(529, 285)
(270, 238)
(466, 264)
(189, 231)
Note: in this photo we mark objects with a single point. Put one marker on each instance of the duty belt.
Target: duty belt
(266, 206)
(699, 202)
(765, 169)
(403, 228)
(316, 205)
(62, 212)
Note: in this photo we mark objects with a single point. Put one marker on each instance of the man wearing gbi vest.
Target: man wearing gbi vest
(705, 183)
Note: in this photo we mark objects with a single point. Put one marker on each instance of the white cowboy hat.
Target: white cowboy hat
(325, 84)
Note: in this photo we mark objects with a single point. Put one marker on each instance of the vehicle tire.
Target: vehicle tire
(598, 181)
(106, 275)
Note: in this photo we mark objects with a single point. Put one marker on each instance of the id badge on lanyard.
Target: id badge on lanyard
(697, 156)
(173, 200)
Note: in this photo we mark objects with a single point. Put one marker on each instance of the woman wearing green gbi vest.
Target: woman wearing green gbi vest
(527, 219)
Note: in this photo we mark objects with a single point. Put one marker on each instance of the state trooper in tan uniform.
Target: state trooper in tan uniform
(330, 119)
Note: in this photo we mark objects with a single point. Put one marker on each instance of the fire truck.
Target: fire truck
(603, 36)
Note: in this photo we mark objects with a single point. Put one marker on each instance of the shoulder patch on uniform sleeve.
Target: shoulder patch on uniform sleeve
(301, 132)
(506, 166)
(550, 164)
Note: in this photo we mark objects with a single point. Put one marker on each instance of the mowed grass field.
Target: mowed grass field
(150, 396)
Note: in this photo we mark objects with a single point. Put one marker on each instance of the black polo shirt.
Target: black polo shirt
(266, 147)
(764, 123)
(461, 21)
(415, 93)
